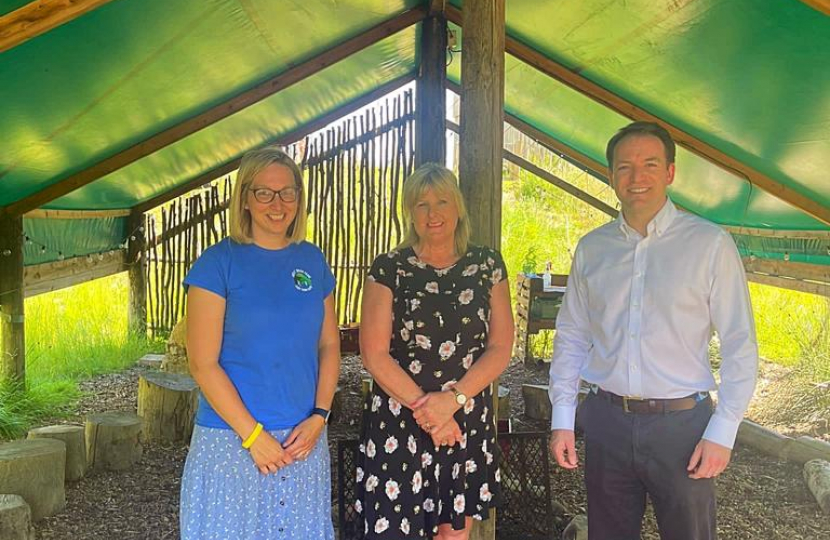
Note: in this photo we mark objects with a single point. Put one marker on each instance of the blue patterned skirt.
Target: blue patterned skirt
(225, 496)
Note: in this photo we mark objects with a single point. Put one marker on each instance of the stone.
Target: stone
(154, 361)
(15, 518)
(73, 437)
(537, 402)
(34, 469)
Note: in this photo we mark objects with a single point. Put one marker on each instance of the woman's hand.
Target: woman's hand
(268, 454)
(447, 435)
(304, 436)
(434, 410)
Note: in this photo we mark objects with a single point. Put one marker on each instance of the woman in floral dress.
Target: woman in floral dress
(436, 330)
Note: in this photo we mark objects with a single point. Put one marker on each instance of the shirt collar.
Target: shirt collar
(658, 225)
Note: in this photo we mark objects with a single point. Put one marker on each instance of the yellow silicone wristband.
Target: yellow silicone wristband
(253, 436)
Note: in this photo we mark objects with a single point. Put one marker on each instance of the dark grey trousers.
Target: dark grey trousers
(630, 455)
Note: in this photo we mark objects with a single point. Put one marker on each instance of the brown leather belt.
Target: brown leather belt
(651, 406)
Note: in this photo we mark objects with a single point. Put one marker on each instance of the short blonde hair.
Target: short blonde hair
(442, 180)
(253, 163)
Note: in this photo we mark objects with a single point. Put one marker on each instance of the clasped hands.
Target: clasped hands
(270, 456)
(434, 414)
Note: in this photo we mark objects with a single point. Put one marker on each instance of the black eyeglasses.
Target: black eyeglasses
(265, 195)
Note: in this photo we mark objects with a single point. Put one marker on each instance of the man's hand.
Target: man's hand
(708, 460)
(563, 448)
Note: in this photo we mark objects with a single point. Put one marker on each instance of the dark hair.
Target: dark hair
(641, 128)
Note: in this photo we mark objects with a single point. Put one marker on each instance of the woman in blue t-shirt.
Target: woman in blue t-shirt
(263, 345)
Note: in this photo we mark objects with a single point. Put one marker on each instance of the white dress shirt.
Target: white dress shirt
(637, 317)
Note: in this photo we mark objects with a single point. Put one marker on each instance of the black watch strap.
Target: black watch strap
(322, 412)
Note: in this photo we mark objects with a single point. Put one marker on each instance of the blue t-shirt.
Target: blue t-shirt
(273, 319)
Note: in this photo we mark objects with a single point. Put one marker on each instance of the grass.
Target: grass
(71, 335)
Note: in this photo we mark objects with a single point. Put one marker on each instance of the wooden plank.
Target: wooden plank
(12, 335)
(787, 269)
(76, 214)
(822, 6)
(215, 114)
(552, 179)
(39, 17)
(431, 108)
(616, 103)
(286, 139)
(52, 276)
(821, 289)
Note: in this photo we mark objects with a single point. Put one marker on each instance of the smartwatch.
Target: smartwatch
(322, 412)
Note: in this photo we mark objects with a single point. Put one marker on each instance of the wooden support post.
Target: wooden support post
(12, 342)
(431, 106)
(481, 137)
(136, 242)
(482, 117)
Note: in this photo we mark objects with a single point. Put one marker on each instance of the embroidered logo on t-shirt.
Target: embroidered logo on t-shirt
(302, 281)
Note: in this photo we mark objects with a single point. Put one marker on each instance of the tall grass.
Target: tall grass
(71, 335)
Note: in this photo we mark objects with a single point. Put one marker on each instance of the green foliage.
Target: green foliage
(21, 408)
(71, 335)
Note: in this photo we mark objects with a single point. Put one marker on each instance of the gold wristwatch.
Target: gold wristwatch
(460, 398)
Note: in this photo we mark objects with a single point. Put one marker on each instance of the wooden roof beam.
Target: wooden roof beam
(819, 5)
(215, 114)
(614, 102)
(288, 138)
(39, 17)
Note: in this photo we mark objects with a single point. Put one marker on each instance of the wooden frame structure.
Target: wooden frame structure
(485, 43)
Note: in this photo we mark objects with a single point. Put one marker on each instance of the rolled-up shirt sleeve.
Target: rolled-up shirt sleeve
(731, 313)
(570, 347)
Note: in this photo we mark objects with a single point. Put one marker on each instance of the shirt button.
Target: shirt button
(632, 335)
(283, 479)
(633, 367)
(282, 503)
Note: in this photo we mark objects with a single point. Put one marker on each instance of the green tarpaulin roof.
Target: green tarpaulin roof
(749, 78)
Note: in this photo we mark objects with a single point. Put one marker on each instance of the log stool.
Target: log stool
(817, 476)
(112, 441)
(167, 404)
(73, 438)
(15, 518)
(34, 469)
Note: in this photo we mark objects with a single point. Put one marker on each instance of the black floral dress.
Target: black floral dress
(406, 486)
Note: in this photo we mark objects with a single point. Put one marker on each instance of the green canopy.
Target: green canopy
(749, 79)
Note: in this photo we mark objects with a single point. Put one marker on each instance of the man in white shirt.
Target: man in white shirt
(643, 294)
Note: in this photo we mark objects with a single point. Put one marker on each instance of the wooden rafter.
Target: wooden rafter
(624, 107)
(39, 17)
(211, 116)
(51, 276)
(819, 5)
(289, 138)
(552, 179)
(799, 285)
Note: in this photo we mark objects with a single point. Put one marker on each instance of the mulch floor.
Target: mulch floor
(758, 497)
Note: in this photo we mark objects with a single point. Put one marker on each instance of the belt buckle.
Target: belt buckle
(626, 399)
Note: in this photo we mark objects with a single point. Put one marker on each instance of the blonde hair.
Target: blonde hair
(442, 180)
(253, 163)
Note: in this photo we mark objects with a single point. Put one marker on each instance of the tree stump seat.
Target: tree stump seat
(15, 518)
(73, 438)
(167, 404)
(34, 469)
(112, 441)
